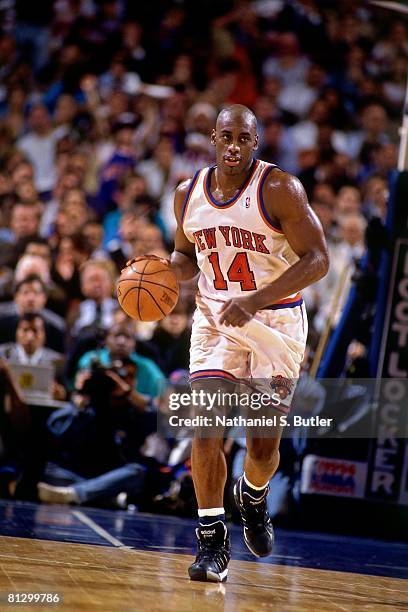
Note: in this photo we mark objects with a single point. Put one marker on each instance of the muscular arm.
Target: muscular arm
(183, 259)
(286, 200)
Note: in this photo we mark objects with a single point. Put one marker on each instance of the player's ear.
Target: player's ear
(213, 138)
(256, 142)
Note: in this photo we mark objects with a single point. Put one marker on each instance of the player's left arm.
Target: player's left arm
(285, 200)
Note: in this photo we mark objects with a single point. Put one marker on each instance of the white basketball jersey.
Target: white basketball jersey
(238, 249)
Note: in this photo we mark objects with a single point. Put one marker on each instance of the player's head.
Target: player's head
(235, 139)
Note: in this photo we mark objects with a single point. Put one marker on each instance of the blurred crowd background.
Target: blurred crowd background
(105, 106)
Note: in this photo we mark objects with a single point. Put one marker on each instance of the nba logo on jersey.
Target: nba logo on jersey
(247, 202)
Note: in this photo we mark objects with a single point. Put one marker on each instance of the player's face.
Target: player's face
(235, 139)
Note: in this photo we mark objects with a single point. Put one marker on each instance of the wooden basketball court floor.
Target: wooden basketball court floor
(117, 561)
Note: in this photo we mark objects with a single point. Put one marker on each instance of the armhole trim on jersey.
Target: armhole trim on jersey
(188, 196)
(261, 203)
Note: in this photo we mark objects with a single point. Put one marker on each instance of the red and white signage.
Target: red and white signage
(327, 476)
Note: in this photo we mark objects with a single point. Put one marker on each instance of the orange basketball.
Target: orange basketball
(147, 290)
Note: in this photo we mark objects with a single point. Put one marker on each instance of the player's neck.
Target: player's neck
(229, 182)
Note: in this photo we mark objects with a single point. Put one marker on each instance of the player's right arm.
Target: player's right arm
(183, 259)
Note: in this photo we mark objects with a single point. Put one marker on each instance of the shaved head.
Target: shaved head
(237, 111)
(235, 139)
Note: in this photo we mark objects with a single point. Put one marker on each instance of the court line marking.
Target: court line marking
(188, 549)
(168, 547)
(286, 557)
(397, 567)
(98, 529)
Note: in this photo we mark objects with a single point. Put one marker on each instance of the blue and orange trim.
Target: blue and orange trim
(188, 196)
(231, 201)
(261, 203)
(213, 373)
(296, 300)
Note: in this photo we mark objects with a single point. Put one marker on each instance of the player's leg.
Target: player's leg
(262, 459)
(251, 491)
(215, 351)
(277, 341)
(209, 471)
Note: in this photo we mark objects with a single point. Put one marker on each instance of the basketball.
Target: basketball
(147, 290)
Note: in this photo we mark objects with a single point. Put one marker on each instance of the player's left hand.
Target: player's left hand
(237, 312)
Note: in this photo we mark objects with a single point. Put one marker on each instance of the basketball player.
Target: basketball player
(246, 226)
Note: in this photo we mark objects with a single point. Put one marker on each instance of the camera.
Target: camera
(100, 385)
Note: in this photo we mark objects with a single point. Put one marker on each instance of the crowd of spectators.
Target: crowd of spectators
(105, 106)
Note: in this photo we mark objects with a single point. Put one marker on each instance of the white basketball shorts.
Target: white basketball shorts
(271, 345)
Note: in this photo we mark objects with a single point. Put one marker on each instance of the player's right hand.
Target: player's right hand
(150, 256)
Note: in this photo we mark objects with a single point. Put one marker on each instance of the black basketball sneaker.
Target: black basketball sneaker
(211, 564)
(258, 530)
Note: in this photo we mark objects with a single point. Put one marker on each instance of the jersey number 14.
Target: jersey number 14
(238, 272)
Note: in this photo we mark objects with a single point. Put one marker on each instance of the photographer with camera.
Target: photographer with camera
(95, 445)
(120, 344)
